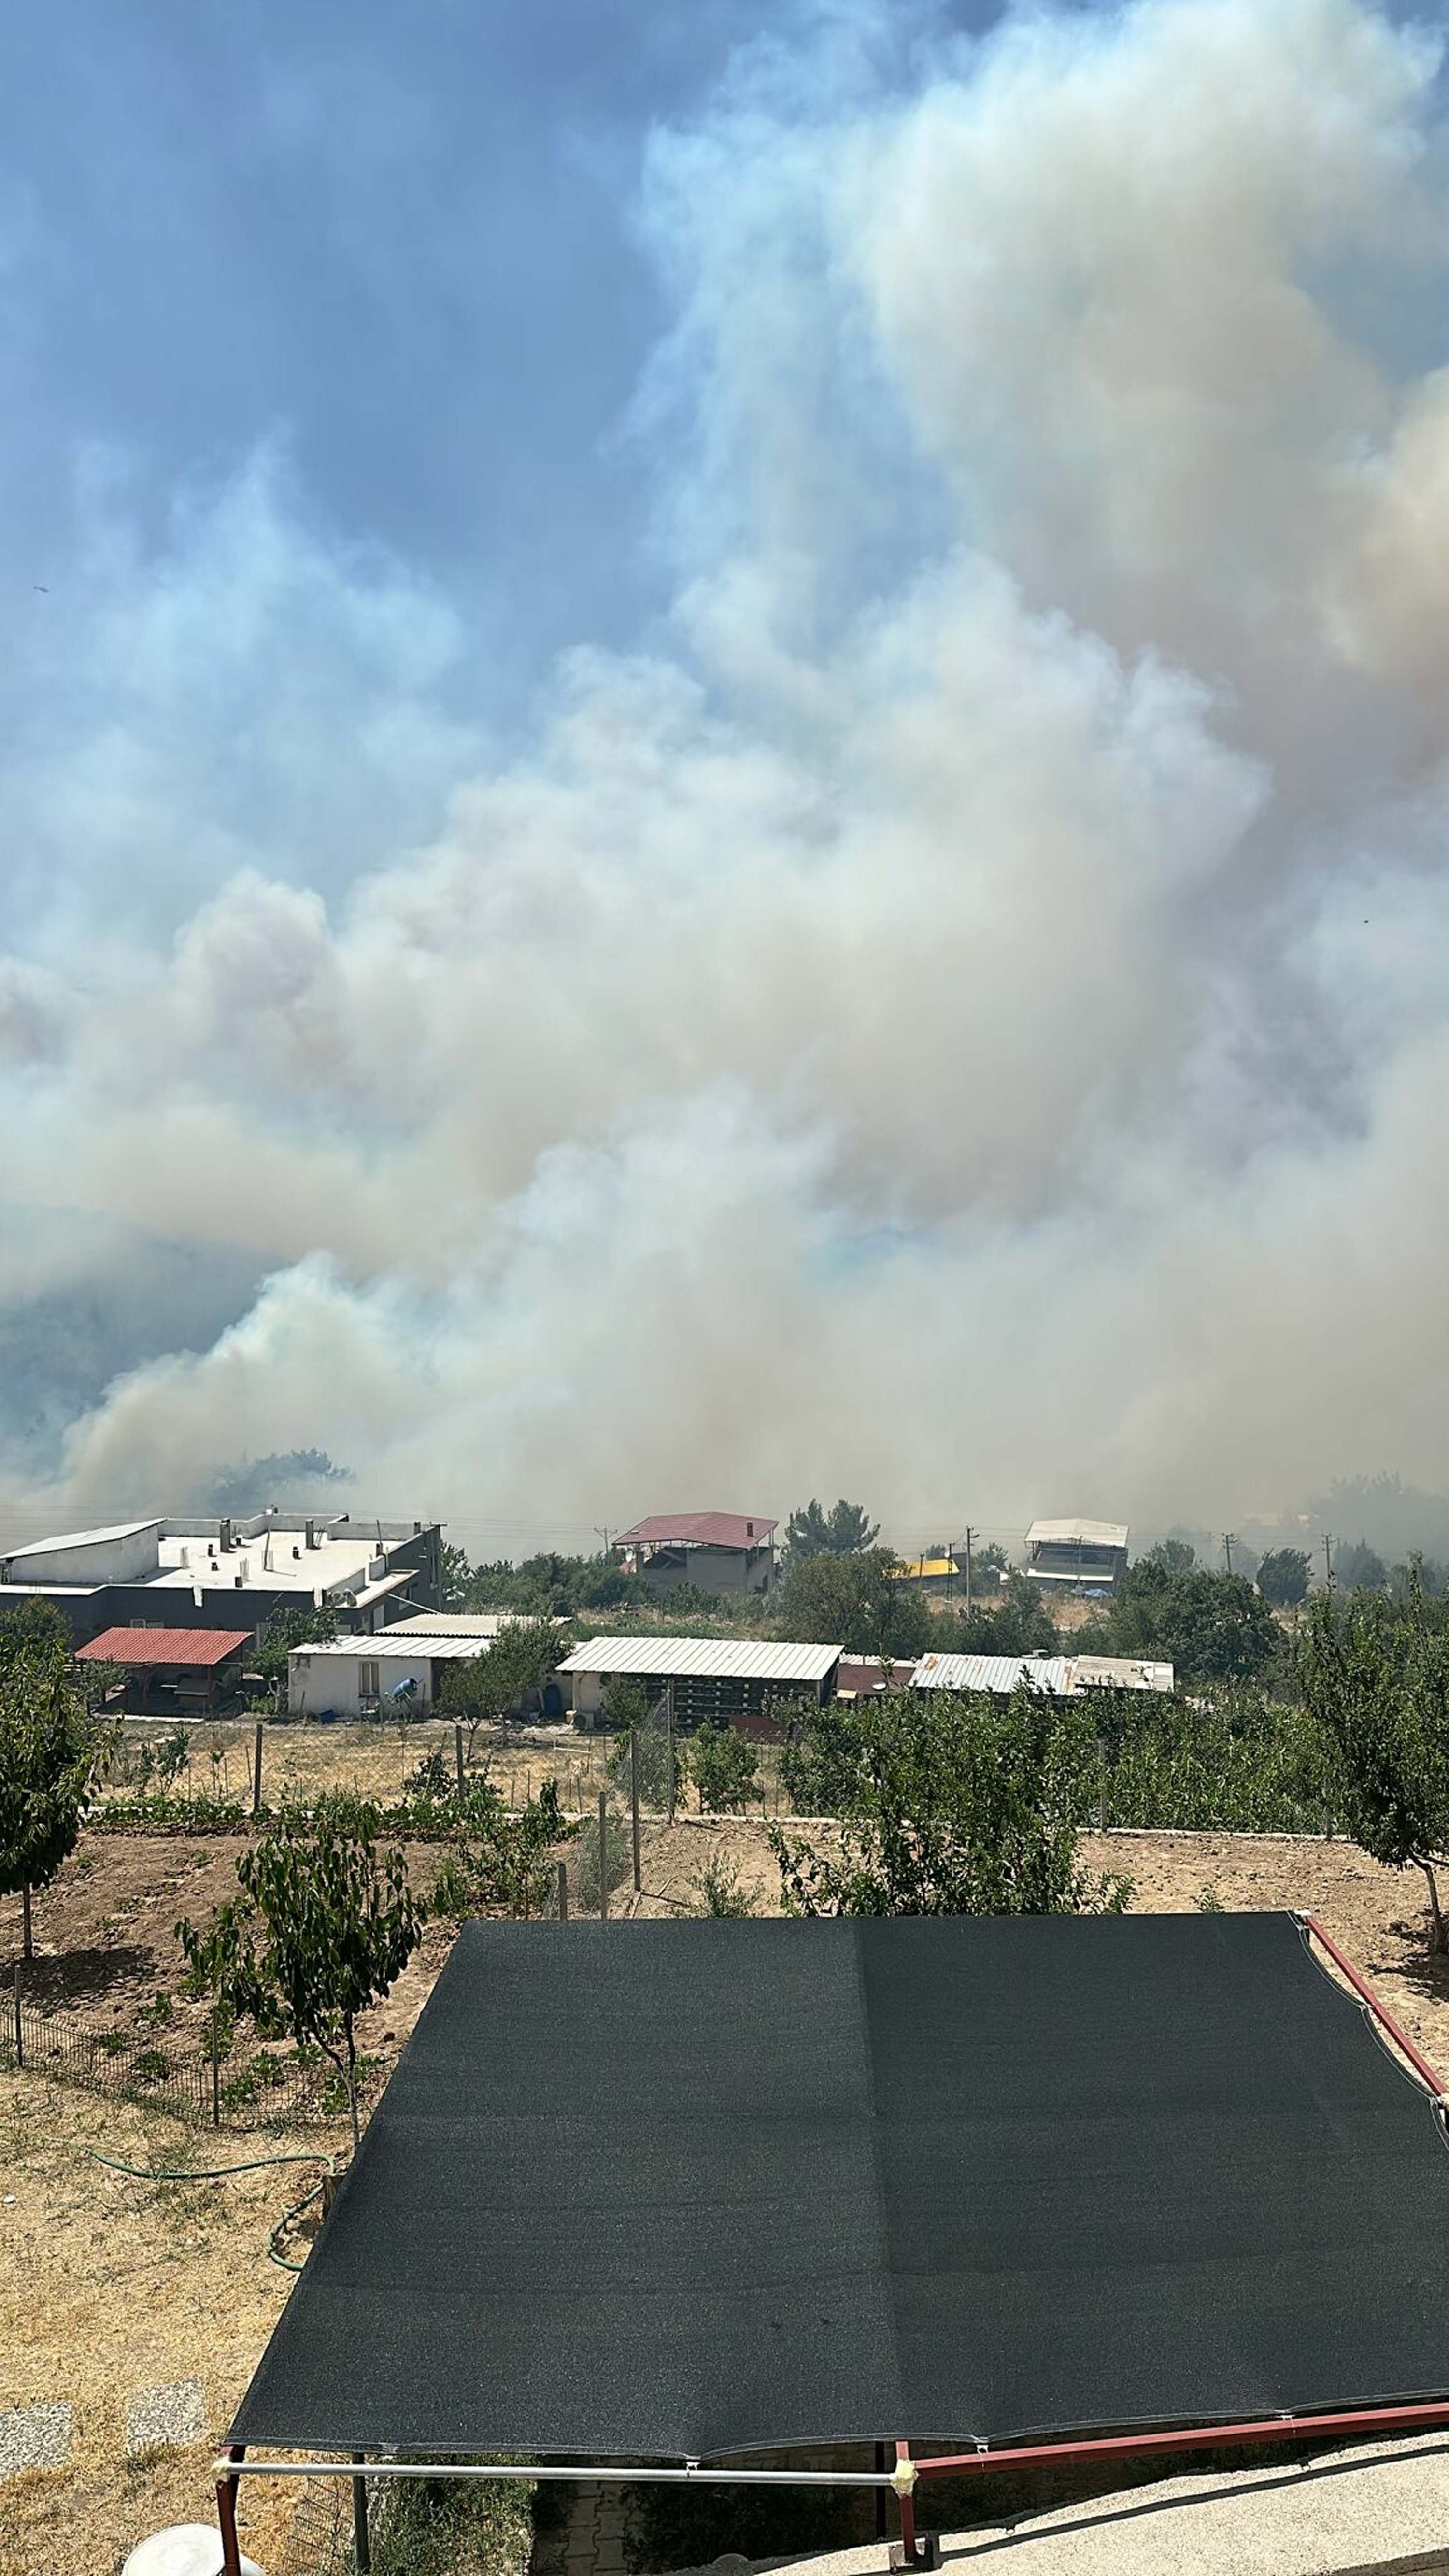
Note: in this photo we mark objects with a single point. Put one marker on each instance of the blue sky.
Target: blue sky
(401, 242)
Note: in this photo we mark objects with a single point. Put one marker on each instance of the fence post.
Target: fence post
(603, 1855)
(458, 1756)
(1101, 1785)
(634, 1799)
(215, 2073)
(563, 1891)
(19, 2033)
(361, 2538)
(257, 1771)
(669, 1724)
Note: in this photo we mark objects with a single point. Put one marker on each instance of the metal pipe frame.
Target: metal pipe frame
(1427, 2074)
(230, 2468)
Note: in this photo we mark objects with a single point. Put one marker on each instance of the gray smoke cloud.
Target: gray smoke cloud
(957, 1016)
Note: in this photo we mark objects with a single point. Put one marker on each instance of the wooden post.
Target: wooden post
(26, 1949)
(215, 2072)
(669, 1726)
(19, 2033)
(361, 2537)
(458, 1757)
(257, 1769)
(1101, 1786)
(603, 1855)
(634, 1800)
(563, 1891)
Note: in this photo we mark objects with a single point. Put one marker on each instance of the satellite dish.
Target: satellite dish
(183, 2549)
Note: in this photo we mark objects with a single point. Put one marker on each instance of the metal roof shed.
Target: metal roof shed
(711, 1677)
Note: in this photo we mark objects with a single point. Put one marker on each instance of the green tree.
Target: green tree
(501, 1683)
(1210, 1627)
(853, 1601)
(1283, 1577)
(323, 1926)
(725, 1769)
(958, 1805)
(1360, 1568)
(1375, 1679)
(293, 1623)
(502, 1864)
(722, 1893)
(845, 1530)
(1174, 1555)
(51, 1746)
(1016, 1622)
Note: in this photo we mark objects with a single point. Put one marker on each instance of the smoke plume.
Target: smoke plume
(958, 1015)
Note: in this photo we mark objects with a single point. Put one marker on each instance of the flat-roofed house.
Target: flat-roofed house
(716, 1551)
(1083, 1555)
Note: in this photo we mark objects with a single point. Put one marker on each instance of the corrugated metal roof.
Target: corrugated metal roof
(999, 1674)
(452, 1623)
(163, 1645)
(390, 1642)
(746, 1658)
(698, 1529)
(1077, 1533)
(1063, 1676)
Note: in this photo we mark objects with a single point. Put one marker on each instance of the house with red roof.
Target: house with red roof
(715, 1551)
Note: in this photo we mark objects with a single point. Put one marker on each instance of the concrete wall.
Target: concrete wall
(317, 1683)
(128, 1559)
(713, 1569)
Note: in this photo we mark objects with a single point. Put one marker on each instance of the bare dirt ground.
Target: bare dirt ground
(109, 2284)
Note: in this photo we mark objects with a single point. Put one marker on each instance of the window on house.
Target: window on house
(367, 1681)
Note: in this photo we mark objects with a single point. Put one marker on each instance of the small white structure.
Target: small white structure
(1082, 1554)
(184, 2549)
(1060, 1676)
(363, 1676)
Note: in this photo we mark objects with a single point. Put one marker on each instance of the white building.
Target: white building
(228, 1572)
(352, 1677)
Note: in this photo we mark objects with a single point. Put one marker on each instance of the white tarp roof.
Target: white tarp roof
(1077, 1534)
(754, 1659)
(389, 1642)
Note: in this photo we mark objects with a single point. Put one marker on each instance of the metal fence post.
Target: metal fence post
(634, 1800)
(458, 1756)
(603, 1855)
(257, 1771)
(361, 2538)
(19, 2033)
(215, 2073)
(563, 1891)
(1101, 1785)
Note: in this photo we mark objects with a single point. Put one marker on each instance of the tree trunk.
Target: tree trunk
(26, 1950)
(1437, 1943)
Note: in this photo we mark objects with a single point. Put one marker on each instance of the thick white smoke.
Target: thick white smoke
(959, 1016)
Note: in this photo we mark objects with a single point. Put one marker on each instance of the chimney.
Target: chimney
(311, 1534)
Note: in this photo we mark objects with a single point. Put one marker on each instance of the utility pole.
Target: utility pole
(970, 1538)
(1228, 1548)
(604, 1535)
(1327, 1562)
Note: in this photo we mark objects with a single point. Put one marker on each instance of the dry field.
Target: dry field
(109, 2284)
(376, 1760)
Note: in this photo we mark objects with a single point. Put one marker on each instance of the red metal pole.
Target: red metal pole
(1401, 2039)
(1198, 2437)
(911, 2552)
(226, 2516)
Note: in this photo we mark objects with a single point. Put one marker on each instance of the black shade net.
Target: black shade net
(685, 2189)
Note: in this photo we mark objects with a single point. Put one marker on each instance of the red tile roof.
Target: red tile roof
(164, 1645)
(697, 1529)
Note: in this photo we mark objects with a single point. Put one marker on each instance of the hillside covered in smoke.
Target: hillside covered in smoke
(958, 1013)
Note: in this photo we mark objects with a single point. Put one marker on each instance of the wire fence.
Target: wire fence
(219, 2088)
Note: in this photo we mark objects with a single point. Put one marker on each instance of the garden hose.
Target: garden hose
(214, 2173)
